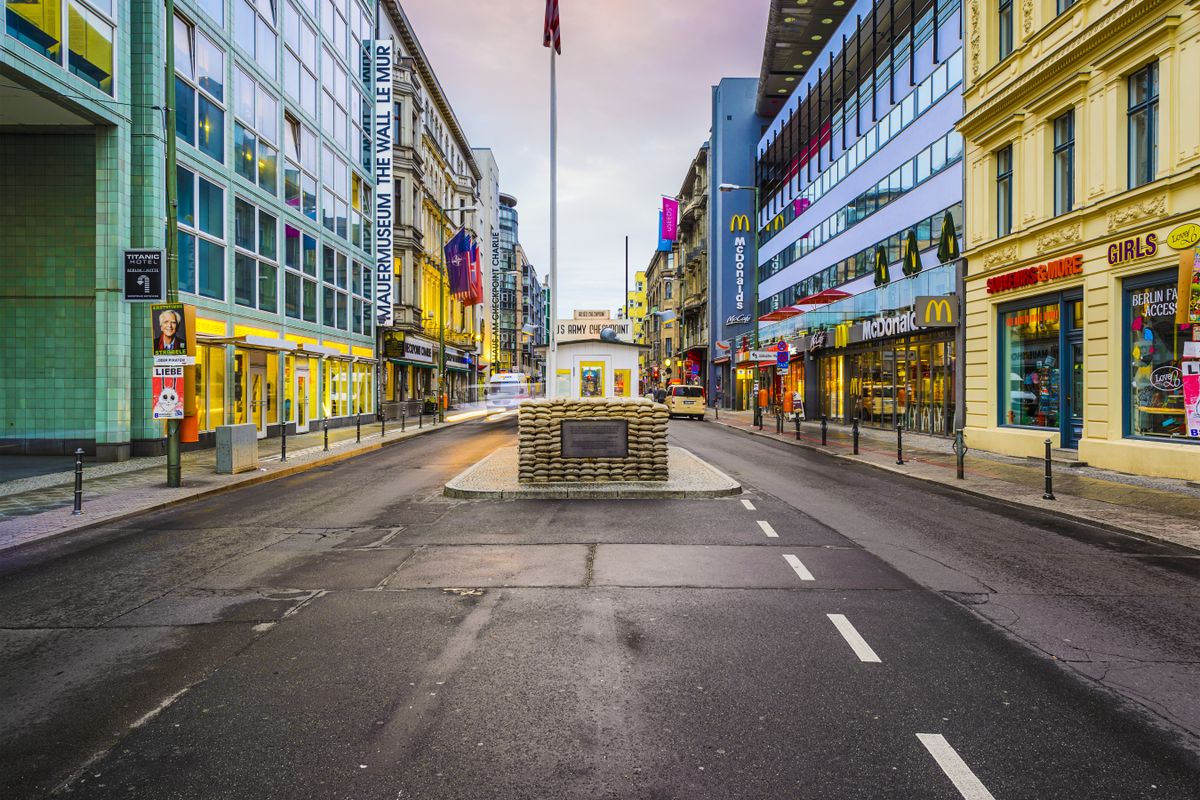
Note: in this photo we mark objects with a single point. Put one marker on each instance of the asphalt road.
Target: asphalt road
(836, 632)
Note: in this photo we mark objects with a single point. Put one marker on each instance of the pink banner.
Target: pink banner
(670, 219)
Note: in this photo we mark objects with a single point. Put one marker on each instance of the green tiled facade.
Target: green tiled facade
(82, 177)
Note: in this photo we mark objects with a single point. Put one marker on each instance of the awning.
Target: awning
(407, 363)
(821, 298)
(721, 360)
(253, 342)
(322, 350)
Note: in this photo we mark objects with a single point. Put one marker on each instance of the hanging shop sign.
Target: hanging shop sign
(1056, 269)
(572, 330)
(1132, 249)
(1185, 237)
(936, 311)
(418, 350)
(145, 275)
(1187, 309)
(385, 276)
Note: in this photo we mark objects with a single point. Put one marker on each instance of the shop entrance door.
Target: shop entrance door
(258, 399)
(1073, 430)
(301, 394)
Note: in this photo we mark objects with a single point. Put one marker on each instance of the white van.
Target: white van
(506, 390)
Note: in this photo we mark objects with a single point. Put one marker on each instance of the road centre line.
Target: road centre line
(955, 768)
(767, 529)
(749, 506)
(799, 567)
(857, 643)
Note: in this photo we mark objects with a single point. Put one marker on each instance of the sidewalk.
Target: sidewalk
(1152, 508)
(39, 506)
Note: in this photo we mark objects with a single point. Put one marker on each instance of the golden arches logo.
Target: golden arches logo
(777, 223)
(936, 311)
(739, 222)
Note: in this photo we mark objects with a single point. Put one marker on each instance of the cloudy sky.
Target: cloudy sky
(633, 107)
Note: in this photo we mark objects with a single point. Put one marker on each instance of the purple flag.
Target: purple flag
(457, 262)
(670, 219)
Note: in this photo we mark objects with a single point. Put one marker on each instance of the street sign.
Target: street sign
(763, 355)
(145, 275)
(781, 358)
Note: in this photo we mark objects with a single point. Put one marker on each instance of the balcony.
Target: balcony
(694, 254)
(694, 301)
(407, 318)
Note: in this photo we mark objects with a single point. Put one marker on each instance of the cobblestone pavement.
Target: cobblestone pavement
(1152, 507)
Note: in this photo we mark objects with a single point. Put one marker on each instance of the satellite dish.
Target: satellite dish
(608, 335)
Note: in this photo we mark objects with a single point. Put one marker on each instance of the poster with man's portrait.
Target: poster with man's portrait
(169, 325)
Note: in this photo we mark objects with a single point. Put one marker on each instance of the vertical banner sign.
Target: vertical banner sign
(1191, 397)
(1187, 309)
(385, 277)
(670, 219)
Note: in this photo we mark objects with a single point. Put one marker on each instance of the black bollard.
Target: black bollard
(1049, 494)
(358, 425)
(383, 424)
(421, 417)
(960, 452)
(854, 431)
(797, 427)
(824, 430)
(283, 441)
(717, 411)
(78, 482)
(325, 427)
(899, 444)
(778, 423)
(403, 414)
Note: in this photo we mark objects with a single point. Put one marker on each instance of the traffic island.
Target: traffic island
(496, 478)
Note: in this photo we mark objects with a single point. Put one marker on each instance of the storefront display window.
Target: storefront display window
(1154, 351)
(1030, 357)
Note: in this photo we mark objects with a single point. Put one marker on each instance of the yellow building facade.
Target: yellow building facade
(1082, 149)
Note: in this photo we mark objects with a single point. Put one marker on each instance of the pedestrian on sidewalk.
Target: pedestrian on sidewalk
(660, 395)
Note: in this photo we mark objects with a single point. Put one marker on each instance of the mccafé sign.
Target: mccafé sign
(1042, 273)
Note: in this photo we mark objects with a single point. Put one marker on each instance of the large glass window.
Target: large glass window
(1029, 365)
(1154, 352)
(1143, 125)
(1064, 163)
(255, 132)
(254, 31)
(36, 24)
(1004, 190)
(255, 274)
(1004, 28)
(90, 46)
(201, 235)
(299, 177)
(199, 91)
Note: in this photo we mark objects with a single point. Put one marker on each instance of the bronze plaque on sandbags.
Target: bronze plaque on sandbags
(595, 438)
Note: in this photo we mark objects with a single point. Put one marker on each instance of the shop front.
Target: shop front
(1093, 349)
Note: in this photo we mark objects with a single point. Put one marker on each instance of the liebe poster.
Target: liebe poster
(1191, 397)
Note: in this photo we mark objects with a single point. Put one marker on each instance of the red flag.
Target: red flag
(552, 36)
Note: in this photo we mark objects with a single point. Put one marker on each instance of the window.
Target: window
(1063, 5)
(254, 268)
(300, 167)
(199, 91)
(335, 182)
(1004, 159)
(1064, 163)
(201, 235)
(1005, 28)
(90, 35)
(1154, 352)
(334, 268)
(255, 132)
(254, 31)
(1143, 125)
(300, 60)
(1030, 381)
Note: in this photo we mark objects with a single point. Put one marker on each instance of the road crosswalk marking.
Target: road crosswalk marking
(767, 529)
(749, 506)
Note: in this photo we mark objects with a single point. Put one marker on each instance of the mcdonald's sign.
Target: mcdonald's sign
(739, 222)
(938, 311)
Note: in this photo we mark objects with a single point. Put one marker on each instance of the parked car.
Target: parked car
(685, 401)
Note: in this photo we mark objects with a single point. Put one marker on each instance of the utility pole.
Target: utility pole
(174, 466)
(627, 279)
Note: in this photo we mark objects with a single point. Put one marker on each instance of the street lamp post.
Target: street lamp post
(733, 187)
(445, 277)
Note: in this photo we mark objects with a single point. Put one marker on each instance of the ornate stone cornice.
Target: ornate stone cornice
(1055, 239)
(1066, 59)
(1121, 216)
(1002, 255)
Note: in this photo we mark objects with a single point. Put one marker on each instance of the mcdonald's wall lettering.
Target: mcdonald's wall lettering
(936, 311)
(739, 222)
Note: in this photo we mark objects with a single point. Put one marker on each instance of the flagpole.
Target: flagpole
(552, 378)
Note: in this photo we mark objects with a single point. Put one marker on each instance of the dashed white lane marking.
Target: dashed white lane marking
(767, 529)
(857, 643)
(749, 506)
(796, 564)
(955, 768)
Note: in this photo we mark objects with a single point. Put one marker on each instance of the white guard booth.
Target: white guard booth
(605, 368)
